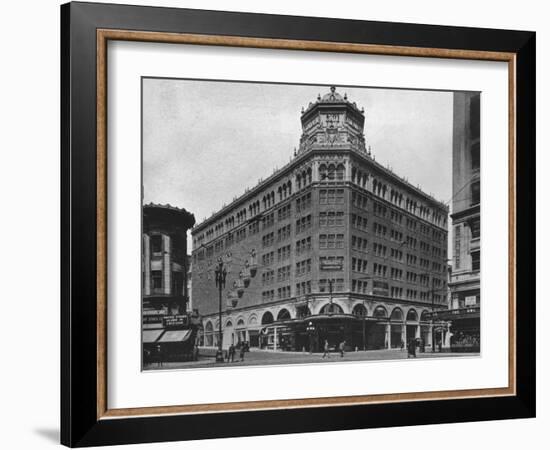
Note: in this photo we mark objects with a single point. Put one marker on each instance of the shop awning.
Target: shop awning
(175, 336)
(151, 335)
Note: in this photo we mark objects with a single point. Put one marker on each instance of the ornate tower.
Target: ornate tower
(332, 122)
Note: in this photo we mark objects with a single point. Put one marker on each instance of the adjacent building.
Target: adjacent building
(334, 246)
(464, 313)
(167, 328)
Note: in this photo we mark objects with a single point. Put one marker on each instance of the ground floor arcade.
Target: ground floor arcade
(302, 327)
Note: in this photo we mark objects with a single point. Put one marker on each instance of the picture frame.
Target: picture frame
(86, 418)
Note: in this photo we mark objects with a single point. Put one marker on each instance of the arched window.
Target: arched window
(412, 316)
(353, 174)
(340, 171)
(425, 316)
(298, 181)
(283, 314)
(331, 172)
(252, 320)
(309, 175)
(323, 175)
(331, 308)
(380, 313)
(359, 310)
(397, 315)
(289, 184)
(267, 318)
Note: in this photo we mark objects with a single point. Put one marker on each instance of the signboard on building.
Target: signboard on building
(380, 288)
(470, 300)
(175, 321)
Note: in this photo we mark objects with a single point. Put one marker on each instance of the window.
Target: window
(475, 261)
(156, 243)
(268, 277)
(331, 196)
(303, 267)
(283, 233)
(475, 193)
(303, 288)
(474, 226)
(359, 244)
(268, 258)
(283, 292)
(156, 279)
(337, 285)
(303, 246)
(302, 224)
(283, 213)
(240, 235)
(267, 240)
(283, 273)
(331, 241)
(304, 202)
(283, 253)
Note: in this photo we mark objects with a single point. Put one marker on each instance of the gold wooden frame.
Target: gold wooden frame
(103, 36)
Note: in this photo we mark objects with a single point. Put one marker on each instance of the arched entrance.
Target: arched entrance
(376, 331)
(331, 308)
(228, 336)
(209, 334)
(397, 328)
(413, 328)
(283, 314)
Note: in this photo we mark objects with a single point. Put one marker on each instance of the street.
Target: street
(267, 357)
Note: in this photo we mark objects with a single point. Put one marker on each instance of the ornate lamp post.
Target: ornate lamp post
(220, 275)
(310, 330)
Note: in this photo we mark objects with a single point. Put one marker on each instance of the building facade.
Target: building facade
(333, 246)
(464, 310)
(167, 328)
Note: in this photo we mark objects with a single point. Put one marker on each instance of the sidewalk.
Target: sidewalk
(257, 357)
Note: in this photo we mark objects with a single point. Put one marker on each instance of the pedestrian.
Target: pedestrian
(342, 346)
(159, 356)
(231, 353)
(411, 348)
(242, 353)
(402, 344)
(326, 348)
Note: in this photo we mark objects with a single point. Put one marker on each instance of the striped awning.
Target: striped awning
(151, 335)
(175, 336)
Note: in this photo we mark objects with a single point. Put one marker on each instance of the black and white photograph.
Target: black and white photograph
(298, 224)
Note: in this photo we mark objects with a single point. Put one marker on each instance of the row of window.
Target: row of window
(331, 241)
(359, 201)
(335, 196)
(357, 286)
(359, 265)
(331, 219)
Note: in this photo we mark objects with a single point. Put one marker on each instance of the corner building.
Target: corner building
(332, 246)
(464, 313)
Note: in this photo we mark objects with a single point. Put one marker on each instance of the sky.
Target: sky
(205, 142)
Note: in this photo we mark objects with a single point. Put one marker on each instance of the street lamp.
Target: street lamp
(310, 330)
(220, 275)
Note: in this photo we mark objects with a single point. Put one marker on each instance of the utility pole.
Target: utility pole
(220, 275)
